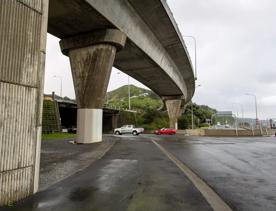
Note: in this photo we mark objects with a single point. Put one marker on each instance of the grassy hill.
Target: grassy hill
(122, 92)
(148, 105)
(141, 99)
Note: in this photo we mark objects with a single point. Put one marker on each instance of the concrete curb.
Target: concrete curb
(215, 201)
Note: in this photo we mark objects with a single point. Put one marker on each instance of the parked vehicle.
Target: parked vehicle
(165, 131)
(72, 130)
(128, 129)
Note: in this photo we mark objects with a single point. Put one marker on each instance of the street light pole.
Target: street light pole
(195, 67)
(192, 108)
(256, 107)
(195, 49)
(128, 82)
(60, 78)
(129, 106)
(192, 115)
(242, 112)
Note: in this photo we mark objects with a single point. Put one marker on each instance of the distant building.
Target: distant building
(144, 94)
(272, 123)
(224, 118)
(229, 119)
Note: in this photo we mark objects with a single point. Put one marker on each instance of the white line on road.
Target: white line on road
(209, 194)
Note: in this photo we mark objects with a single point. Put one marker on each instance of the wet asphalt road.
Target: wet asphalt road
(241, 170)
(135, 175)
(60, 159)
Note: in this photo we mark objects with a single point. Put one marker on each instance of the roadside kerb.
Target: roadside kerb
(215, 201)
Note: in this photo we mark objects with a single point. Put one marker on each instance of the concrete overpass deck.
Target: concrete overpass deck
(154, 54)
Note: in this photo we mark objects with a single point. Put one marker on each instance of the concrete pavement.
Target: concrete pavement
(241, 170)
(136, 175)
(60, 159)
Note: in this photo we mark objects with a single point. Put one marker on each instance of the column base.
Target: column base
(174, 111)
(89, 126)
(173, 123)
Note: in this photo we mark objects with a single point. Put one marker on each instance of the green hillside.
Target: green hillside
(201, 113)
(148, 106)
(141, 99)
(122, 92)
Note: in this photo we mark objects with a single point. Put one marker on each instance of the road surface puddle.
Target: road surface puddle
(115, 171)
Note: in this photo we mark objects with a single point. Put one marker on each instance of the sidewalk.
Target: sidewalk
(61, 159)
(133, 176)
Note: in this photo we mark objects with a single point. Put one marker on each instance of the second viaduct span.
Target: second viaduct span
(140, 38)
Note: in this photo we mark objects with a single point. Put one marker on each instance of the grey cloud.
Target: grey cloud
(236, 50)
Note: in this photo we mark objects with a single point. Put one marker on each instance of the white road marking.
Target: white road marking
(215, 201)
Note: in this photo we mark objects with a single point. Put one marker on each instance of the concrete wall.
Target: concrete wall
(232, 133)
(22, 54)
(51, 117)
(195, 132)
(223, 133)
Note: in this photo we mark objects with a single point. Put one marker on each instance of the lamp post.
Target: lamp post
(128, 81)
(195, 67)
(256, 107)
(60, 78)
(129, 106)
(236, 124)
(212, 122)
(195, 50)
(192, 108)
(192, 114)
(242, 112)
(235, 108)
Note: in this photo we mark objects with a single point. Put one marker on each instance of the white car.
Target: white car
(128, 129)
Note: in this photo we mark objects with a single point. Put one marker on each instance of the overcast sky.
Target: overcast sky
(236, 54)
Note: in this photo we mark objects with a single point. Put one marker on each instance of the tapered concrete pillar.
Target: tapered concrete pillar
(23, 29)
(174, 111)
(91, 57)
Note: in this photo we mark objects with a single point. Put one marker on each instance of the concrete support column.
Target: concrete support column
(174, 111)
(91, 57)
(89, 122)
(115, 121)
(23, 29)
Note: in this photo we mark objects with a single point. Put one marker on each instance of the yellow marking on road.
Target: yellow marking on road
(208, 193)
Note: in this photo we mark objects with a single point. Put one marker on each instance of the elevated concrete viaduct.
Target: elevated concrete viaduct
(140, 38)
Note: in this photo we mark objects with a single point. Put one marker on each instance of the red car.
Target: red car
(165, 131)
